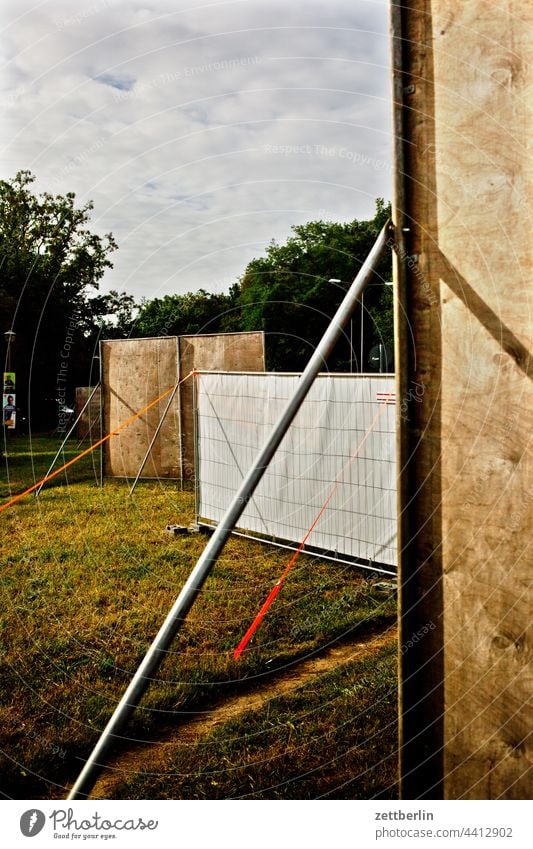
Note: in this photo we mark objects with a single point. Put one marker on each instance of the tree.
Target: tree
(194, 312)
(112, 315)
(49, 260)
(288, 295)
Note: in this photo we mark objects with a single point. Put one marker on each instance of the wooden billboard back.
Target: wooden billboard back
(134, 372)
(89, 425)
(213, 352)
(463, 211)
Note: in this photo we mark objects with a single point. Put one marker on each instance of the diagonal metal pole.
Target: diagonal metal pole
(60, 449)
(157, 651)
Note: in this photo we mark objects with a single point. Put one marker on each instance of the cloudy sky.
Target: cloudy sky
(200, 130)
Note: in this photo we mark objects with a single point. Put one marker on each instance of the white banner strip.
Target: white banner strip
(341, 417)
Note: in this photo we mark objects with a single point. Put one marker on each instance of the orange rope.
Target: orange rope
(91, 448)
(278, 585)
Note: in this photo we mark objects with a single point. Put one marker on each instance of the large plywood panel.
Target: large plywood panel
(463, 207)
(135, 372)
(89, 424)
(213, 352)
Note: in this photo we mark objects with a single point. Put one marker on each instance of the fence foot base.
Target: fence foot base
(176, 530)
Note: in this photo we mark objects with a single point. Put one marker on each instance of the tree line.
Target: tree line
(52, 265)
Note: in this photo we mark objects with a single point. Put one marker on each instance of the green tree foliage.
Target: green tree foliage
(194, 312)
(51, 262)
(287, 293)
(113, 315)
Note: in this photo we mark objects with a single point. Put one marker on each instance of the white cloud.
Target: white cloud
(203, 132)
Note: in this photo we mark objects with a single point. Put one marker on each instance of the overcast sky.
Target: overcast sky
(200, 130)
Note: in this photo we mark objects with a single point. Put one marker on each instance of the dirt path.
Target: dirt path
(153, 756)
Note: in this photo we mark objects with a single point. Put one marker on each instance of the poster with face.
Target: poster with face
(9, 382)
(9, 410)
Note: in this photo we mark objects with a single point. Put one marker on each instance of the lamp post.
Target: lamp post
(9, 336)
(362, 334)
(384, 283)
(338, 281)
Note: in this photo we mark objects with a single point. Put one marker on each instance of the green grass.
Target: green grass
(334, 738)
(27, 460)
(87, 576)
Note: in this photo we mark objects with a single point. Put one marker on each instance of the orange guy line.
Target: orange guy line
(277, 586)
(88, 450)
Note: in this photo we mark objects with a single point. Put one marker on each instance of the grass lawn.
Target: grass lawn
(87, 576)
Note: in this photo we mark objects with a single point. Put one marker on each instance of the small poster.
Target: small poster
(9, 382)
(9, 410)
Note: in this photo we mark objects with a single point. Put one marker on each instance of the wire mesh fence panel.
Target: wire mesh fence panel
(334, 472)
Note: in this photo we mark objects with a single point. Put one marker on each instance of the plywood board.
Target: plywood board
(89, 424)
(213, 352)
(464, 262)
(136, 371)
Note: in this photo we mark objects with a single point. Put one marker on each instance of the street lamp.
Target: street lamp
(338, 281)
(9, 336)
(386, 283)
(95, 366)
